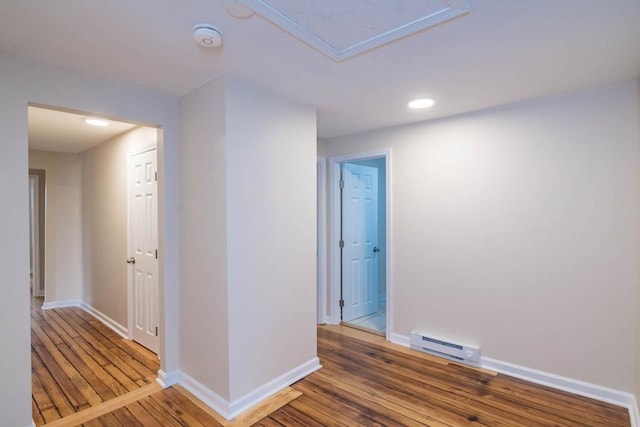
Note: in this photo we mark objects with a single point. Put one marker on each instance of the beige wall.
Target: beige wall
(271, 235)
(15, 359)
(23, 81)
(204, 324)
(63, 244)
(104, 221)
(518, 229)
(638, 307)
(248, 238)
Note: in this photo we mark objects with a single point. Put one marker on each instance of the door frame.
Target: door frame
(333, 291)
(321, 274)
(361, 223)
(39, 230)
(130, 276)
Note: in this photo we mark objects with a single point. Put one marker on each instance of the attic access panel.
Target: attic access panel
(343, 28)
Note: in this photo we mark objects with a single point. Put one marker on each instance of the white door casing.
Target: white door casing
(34, 229)
(360, 236)
(143, 249)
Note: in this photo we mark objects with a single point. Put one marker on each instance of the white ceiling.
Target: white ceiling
(501, 52)
(65, 132)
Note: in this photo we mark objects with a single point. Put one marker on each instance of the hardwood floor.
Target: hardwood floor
(77, 362)
(365, 381)
(370, 382)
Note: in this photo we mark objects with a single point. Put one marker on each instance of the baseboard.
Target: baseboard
(400, 340)
(205, 394)
(634, 412)
(272, 387)
(230, 410)
(47, 305)
(593, 391)
(109, 322)
(616, 397)
(168, 379)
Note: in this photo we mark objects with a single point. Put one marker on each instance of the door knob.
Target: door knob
(376, 249)
(131, 260)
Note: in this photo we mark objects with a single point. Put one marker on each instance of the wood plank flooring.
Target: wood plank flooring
(77, 363)
(365, 381)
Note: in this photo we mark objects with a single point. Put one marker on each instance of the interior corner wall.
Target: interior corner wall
(321, 146)
(15, 360)
(638, 306)
(23, 81)
(204, 340)
(271, 235)
(517, 228)
(104, 221)
(63, 243)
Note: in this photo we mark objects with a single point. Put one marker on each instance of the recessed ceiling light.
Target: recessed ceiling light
(421, 103)
(237, 9)
(96, 122)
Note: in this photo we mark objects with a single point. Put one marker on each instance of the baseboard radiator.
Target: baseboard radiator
(449, 350)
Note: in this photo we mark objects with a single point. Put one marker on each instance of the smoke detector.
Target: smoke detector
(207, 35)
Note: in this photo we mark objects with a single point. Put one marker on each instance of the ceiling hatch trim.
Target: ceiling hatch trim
(280, 13)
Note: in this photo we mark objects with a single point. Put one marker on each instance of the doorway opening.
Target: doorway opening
(359, 291)
(142, 232)
(86, 210)
(36, 231)
(363, 288)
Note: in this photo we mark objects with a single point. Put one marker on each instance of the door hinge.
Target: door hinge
(156, 254)
(156, 331)
(342, 183)
(156, 175)
(341, 303)
(341, 244)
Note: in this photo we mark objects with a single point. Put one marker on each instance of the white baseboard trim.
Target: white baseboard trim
(230, 410)
(272, 387)
(168, 379)
(399, 339)
(570, 385)
(61, 304)
(205, 394)
(593, 391)
(109, 322)
(634, 413)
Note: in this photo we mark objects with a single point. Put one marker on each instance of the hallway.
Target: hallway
(77, 363)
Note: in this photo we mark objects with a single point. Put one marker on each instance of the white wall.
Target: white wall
(204, 324)
(62, 243)
(15, 360)
(638, 310)
(518, 229)
(271, 235)
(23, 81)
(248, 239)
(104, 221)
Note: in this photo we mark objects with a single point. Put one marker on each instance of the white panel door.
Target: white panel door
(360, 236)
(143, 245)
